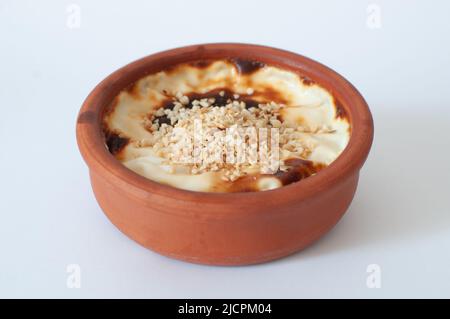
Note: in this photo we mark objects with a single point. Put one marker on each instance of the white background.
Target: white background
(399, 219)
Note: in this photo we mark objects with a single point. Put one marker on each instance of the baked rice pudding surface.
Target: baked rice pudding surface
(226, 126)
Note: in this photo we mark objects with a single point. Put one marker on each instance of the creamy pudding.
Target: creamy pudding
(226, 126)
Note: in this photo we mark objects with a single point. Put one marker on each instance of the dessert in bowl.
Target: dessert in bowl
(224, 153)
(155, 126)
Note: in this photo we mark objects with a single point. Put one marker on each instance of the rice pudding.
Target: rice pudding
(225, 126)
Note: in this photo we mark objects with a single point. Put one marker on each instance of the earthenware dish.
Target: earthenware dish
(224, 228)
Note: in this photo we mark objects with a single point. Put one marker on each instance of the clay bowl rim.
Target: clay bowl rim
(92, 145)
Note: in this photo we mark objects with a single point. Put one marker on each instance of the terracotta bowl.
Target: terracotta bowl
(224, 228)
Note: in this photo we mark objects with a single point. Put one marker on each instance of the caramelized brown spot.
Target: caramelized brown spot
(201, 64)
(299, 170)
(245, 66)
(168, 104)
(133, 90)
(307, 81)
(243, 184)
(341, 112)
(249, 103)
(163, 119)
(269, 94)
(171, 68)
(115, 142)
(219, 100)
